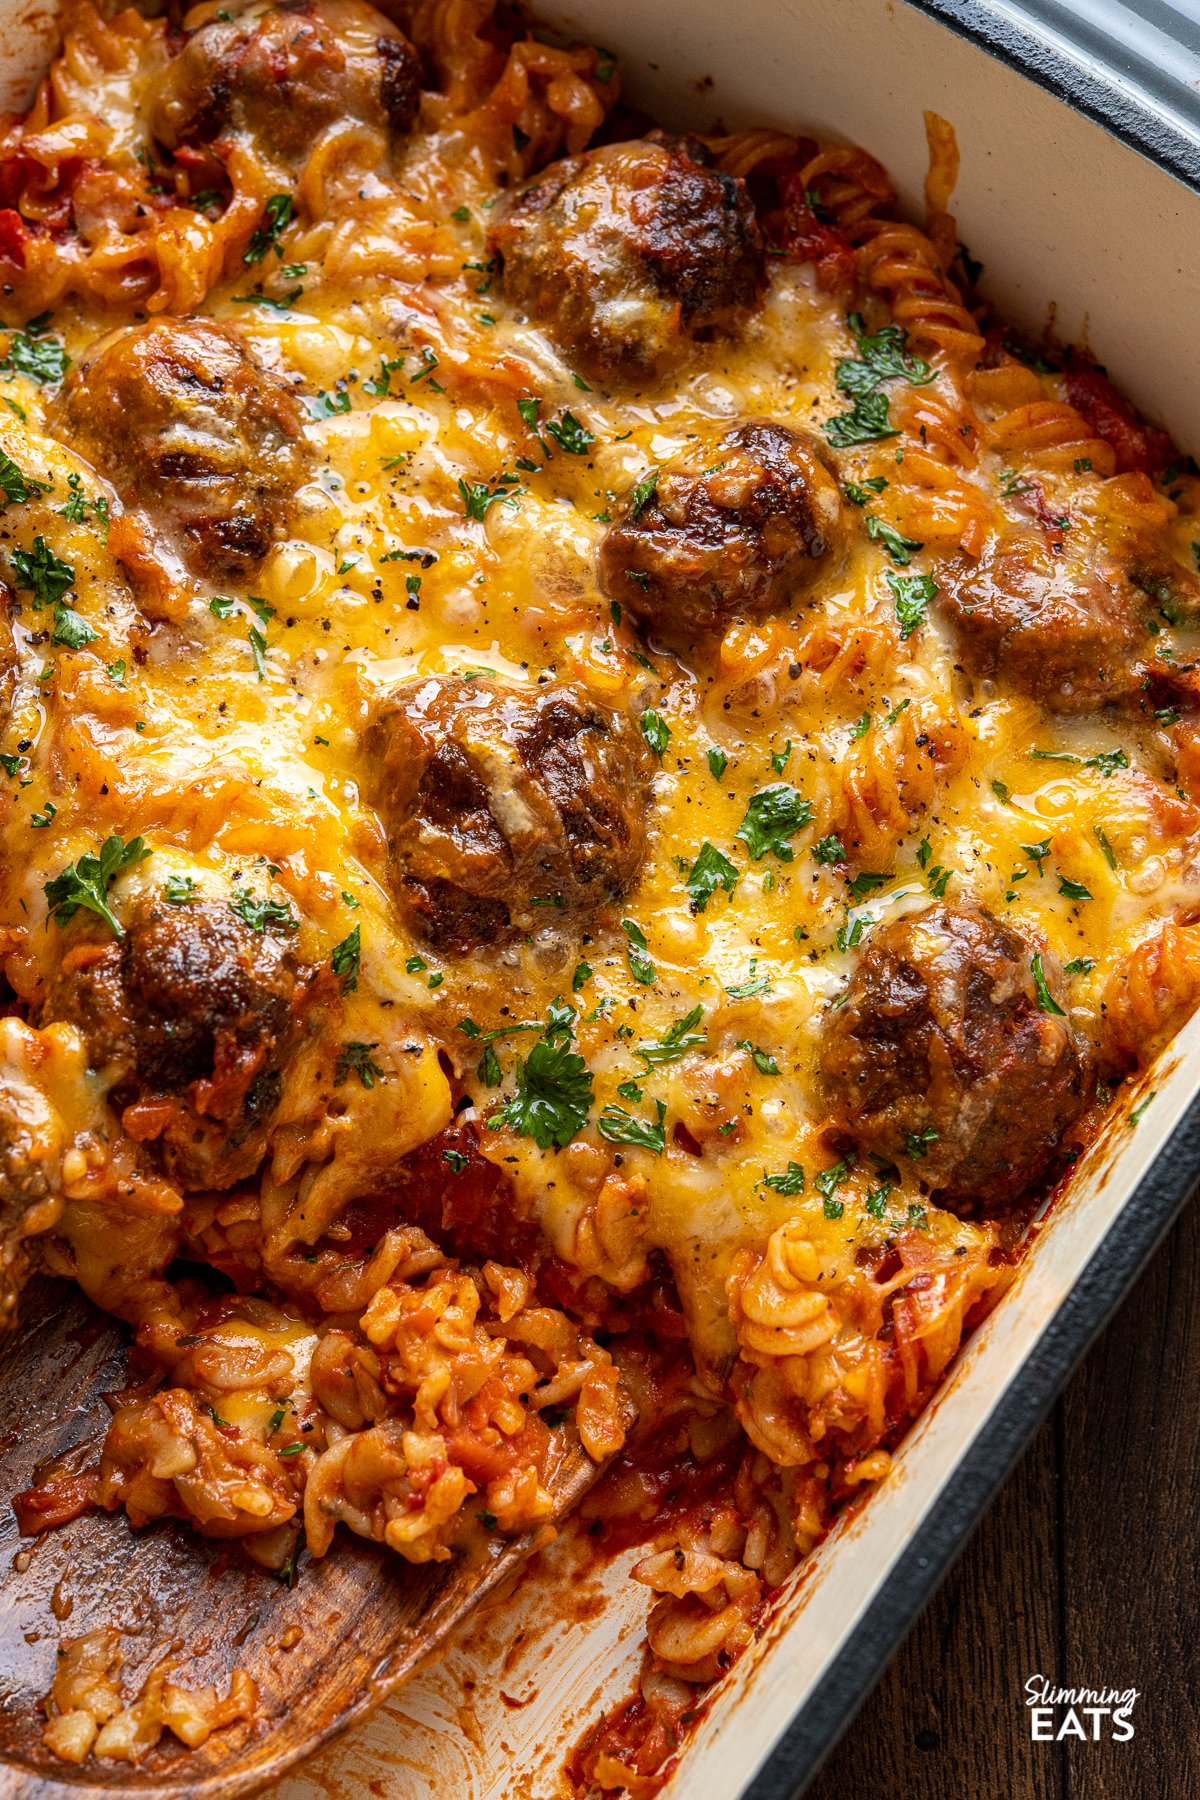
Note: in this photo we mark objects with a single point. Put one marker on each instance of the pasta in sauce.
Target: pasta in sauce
(600, 785)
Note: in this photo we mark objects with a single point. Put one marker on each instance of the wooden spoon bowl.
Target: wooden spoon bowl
(358, 1623)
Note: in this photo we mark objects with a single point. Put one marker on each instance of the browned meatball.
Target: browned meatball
(496, 799)
(189, 1018)
(280, 77)
(186, 425)
(1071, 629)
(941, 1059)
(630, 252)
(733, 529)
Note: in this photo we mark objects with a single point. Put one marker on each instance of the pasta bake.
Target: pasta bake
(600, 795)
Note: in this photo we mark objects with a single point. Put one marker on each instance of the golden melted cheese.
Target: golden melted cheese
(239, 757)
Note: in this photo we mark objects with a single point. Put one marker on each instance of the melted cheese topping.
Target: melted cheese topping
(440, 532)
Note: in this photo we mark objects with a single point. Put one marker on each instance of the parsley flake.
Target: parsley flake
(1045, 998)
(711, 870)
(553, 1097)
(85, 884)
(346, 958)
(355, 1059)
(620, 1127)
(772, 816)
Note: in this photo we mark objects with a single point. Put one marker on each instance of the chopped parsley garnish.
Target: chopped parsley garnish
(898, 547)
(529, 406)
(857, 493)
(1140, 1108)
(675, 1042)
(429, 362)
(1108, 761)
(570, 435)
(265, 915)
(656, 731)
(1079, 965)
(488, 1068)
(553, 1097)
(477, 496)
(867, 422)
(41, 573)
(86, 883)
(642, 494)
(829, 1181)
(829, 850)
(772, 816)
(912, 594)
(328, 403)
(711, 870)
(1045, 998)
(1110, 855)
(380, 384)
(278, 214)
(70, 628)
(763, 1062)
(883, 355)
(919, 1143)
(258, 650)
(346, 958)
(866, 882)
(35, 355)
(1001, 792)
(355, 1059)
(583, 973)
(457, 1161)
(754, 984)
(179, 889)
(268, 300)
(15, 487)
(39, 821)
(779, 758)
(78, 505)
(718, 762)
(877, 1199)
(790, 1182)
(620, 1127)
(640, 966)
(1072, 890)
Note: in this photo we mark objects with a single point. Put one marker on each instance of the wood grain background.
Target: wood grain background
(1086, 1571)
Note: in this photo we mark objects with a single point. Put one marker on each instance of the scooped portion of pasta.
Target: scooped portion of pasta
(600, 789)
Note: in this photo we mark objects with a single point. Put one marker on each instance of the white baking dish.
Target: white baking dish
(1076, 227)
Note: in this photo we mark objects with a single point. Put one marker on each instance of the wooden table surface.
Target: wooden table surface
(1086, 1571)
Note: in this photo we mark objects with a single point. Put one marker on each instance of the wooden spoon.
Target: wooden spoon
(365, 1619)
